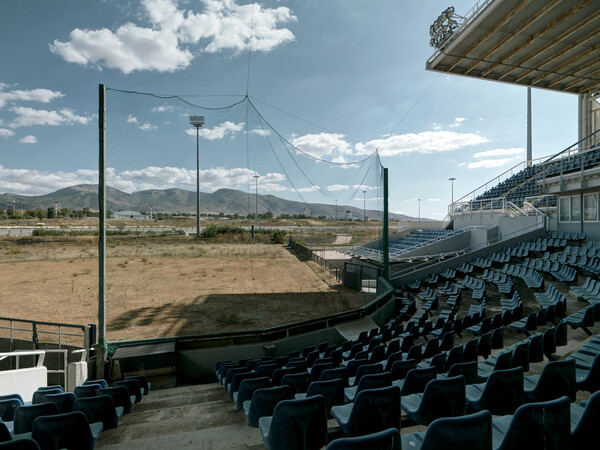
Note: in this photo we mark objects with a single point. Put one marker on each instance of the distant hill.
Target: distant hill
(227, 201)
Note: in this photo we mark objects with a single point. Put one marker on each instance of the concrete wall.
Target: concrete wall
(23, 381)
(420, 224)
(450, 244)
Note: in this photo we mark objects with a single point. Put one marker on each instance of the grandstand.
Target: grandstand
(489, 325)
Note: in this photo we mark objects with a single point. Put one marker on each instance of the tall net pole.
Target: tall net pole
(102, 233)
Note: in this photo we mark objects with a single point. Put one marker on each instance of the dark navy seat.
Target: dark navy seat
(401, 368)
(68, 430)
(472, 432)
(121, 397)
(557, 379)
(40, 393)
(331, 390)
(416, 380)
(501, 394)
(543, 425)
(373, 410)
(584, 422)
(296, 424)
(332, 374)
(382, 440)
(263, 403)
(589, 380)
(247, 388)
(143, 381)
(25, 415)
(21, 444)
(366, 369)
(297, 382)
(64, 401)
(466, 369)
(100, 409)
(8, 407)
(369, 381)
(234, 386)
(86, 390)
(442, 398)
(101, 382)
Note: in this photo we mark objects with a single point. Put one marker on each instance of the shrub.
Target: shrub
(278, 237)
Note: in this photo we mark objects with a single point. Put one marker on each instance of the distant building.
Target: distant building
(348, 215)
(130, 215)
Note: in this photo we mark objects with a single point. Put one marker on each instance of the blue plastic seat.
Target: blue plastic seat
(100, 409)
(101, 382)
(296, 424)
(584, 422)
(263, 403)
(501, 394)
(366, 369)
(416, 380)
(373, 410)
(298, 382)
(40, 393)
(8, 407)
(121, 397)
(589, 379)
(332, 374)
(64, 401)
(472, 432)
(442, 398)
(21, 444)
(331, 390)
(247, 388)
(86, 390)
(143, 381)
(369, 381)
(557, 379)
(5, 432)
(68, 430)
(133, 386)
(382, 440)
(237, 379)
(543, 425)
(25, 416)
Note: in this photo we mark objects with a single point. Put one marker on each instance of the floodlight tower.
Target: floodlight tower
(336, 209)
(256, 177)
(419, 200)
(197, 121)
(365, 207)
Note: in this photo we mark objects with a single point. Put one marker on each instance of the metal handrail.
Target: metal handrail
(18, 353)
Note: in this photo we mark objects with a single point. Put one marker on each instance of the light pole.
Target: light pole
(419, 200)
(55, 210)
(197, 121)
(336, 209)
(452, 180)
(256, 177)
(365, 207)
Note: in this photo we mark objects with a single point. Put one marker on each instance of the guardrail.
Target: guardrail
(310, 254)
(17, 355)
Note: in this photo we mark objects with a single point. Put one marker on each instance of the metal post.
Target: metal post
(102, 232)
(336, 209)
(385, 242)
(419, 201)
(529, 146)
(197, 181)
(256, 177)
(365, 207)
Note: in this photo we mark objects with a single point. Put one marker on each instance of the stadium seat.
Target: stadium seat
(589, 379)
(415, 380)
(466, 369)
(332, 374)
(86, 390)
(556, 380)
(25, 415)
(68, 430)
(5, 432)
(20, 444)
(7, 409)
(472, 432)
(100, 409)
(263, 403)
(366, 369)
(247, 388)
(373, 410)
(369, 381)
(383, 440)
(584, 422)
(297, 382)
(64, 401)
(441, 398)
(331, 390)
(501, 394)
(401, 368)
(143, 381)
(101, 382)
(234, 386)
(543, 425)
(296, 424)
(278, 374)
(40, 393)
(121, 397)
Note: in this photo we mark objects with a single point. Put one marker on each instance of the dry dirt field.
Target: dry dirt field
(165, 286)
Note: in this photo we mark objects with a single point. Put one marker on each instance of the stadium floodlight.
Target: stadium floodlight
(419, 201)
(443, 27)
(452, 180)
(256, 177)
(365, 207)
(336, 209)
(197, 121)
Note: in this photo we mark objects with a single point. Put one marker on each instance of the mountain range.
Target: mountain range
(226, 201)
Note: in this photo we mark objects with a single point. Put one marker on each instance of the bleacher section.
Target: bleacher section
(399, 247)
(524, 183)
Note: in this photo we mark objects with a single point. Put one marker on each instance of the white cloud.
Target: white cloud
(131, 119)
(27, 117)
(308, 189)
(433, 200)
(32, 95)
(261, 132)
(218, 132)
(457, 122)
(424, 142)
(29, 139)
(489, 163)
(36, 182)
(162, 108)
(364, 188)
(5, 133)
(224, 25)
(500, 152)
(322, 144)
(147, 127)
(144, 127)
(338, 187)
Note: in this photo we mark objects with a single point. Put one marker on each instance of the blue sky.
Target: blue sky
(352, 67)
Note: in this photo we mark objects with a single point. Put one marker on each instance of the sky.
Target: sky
(337, 79)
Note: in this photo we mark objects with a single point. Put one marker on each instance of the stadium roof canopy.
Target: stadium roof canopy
(549, 44)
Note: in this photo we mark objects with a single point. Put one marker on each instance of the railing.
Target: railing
(447, 256)
(310, 254)
(17, 356)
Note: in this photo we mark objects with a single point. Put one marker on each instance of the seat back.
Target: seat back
(392, 358)
(367, 369)
(417, 379)
(64, 401)
(101, 382)
(432, 348)
(120, 395)
(455, 356)
(503, 392)
(520, 356)
(331, 390)
(470, 350)
(557, 380)
(68, 430)
(333, 374)
(442, 398)
(234, 386)
(143, 381)
(40, 393)
(98, 409)
(447, 340)
(247, 388)
(25, 415)
(415, 352)
(264, 401)
(7, 409)
(468, 369)
(20, 444)
(374, 381)
(375, 410)
(299, 424)
(383, 440)
(540, 425)
(279, 373)
(473, 432)
(86, 390)
(484, 347)
(297, 382)
(587, 429)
